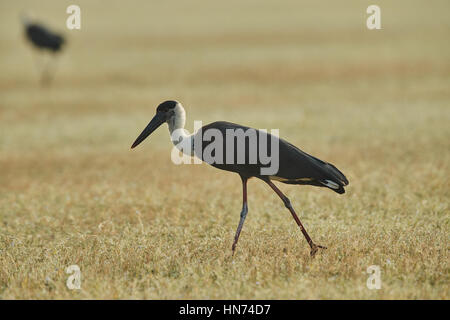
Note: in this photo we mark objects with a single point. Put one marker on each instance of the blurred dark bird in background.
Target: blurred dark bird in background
(43, 39)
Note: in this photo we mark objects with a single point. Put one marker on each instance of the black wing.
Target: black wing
(299, 167)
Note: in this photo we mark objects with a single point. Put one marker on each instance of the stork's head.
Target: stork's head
(26, 18)
(170, 111)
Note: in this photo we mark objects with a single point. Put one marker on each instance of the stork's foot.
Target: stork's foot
(233, 249)
(315, 248)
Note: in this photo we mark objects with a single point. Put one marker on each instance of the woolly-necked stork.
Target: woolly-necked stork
(295, 166)
(43, 39)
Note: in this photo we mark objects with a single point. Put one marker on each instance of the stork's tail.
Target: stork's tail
(336, 180)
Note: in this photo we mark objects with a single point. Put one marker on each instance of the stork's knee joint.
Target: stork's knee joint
(287, 203)
(244, 211)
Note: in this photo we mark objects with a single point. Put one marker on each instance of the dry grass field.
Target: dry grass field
(374, 103)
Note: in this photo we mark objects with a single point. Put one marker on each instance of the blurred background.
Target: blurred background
(373, 102)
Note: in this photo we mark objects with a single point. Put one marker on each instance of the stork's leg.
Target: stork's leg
(49, 70)
(243, 213)
(39, 62)
(287, 203)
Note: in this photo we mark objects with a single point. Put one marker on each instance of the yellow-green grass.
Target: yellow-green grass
(374, 103)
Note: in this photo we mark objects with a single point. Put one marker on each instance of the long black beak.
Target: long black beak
(157, 120)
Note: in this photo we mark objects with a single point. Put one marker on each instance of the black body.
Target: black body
(43, 38)
(295, 166)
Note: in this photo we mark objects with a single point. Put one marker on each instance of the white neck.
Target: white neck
(25, 18)
(178, 135)
(178, 120)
